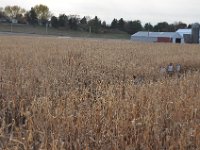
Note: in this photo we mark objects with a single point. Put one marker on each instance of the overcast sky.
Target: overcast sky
(145, 10)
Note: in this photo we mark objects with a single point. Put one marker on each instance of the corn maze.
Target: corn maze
(79, 94)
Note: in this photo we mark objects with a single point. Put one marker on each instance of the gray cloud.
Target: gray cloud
(145, 10)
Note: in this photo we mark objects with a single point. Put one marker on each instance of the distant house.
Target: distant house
(4, 20)
(167, 37)
(14, 21)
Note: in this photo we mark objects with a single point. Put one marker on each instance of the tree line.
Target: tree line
(41, 15)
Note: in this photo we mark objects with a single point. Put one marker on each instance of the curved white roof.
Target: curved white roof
(184, 31)
(157, 34)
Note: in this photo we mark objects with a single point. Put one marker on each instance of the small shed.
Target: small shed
(169, 37)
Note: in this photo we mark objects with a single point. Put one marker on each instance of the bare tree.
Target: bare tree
(13, 11)
(43, 13)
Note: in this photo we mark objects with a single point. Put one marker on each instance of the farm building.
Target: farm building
(184, 31)
(180, 36)
(186, 35)
(169, 37)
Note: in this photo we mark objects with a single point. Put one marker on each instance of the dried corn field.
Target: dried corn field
(78, 94)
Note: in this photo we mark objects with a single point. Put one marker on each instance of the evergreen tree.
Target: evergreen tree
(148, 27)
(121, 24)
(132, 27)
(95, 24)
(114, 23)
(54, 22)
(161, 27)
(62, 20)
(31, 17)
(103, 25)
(73, 22)
(83, 20)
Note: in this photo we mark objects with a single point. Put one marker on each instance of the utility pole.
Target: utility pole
(90, 29)
(11, 27)
(46, 28)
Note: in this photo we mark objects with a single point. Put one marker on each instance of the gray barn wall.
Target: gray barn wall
(144, 39)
